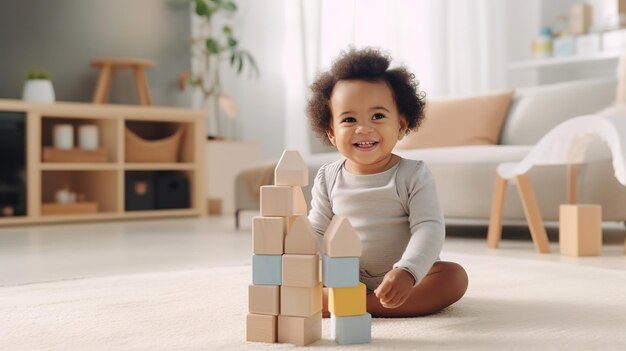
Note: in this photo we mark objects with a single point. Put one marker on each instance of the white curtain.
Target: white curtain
(454, 47)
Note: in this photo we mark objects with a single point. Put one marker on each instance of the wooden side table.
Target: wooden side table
(108, 65)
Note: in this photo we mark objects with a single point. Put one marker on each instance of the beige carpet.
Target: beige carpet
(511, 304)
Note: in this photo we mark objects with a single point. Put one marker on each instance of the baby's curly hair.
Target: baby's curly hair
(370, 65)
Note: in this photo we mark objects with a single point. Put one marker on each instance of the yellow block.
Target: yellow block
(347, 301)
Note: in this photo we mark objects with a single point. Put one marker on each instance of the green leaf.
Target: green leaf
(202, 9)
(255, 68)
(227, 30)
(232, 58)
(229, 6)
(232, 42)
(240, 64)
(212, 46)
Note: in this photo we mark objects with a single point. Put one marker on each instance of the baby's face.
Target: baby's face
(365, 124)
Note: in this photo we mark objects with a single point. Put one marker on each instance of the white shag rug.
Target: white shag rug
(511, 304)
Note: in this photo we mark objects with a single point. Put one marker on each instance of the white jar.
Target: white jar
(88, 137)
(63, 136)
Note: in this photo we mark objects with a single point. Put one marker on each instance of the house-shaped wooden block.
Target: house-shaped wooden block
(341, 240)
(301, 237)
(291, 170)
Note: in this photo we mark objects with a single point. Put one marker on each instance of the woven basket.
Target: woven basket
(139, 149)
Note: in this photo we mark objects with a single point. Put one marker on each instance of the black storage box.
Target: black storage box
(172, 190)
(140, 191)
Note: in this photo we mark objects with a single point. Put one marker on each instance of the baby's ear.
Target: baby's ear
(404, 130)
(331, 136)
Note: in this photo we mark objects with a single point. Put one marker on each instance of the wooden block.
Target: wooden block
(261, 328)
(277, 201)
(300, 302)
(51, 154)
(214, 207)
(268, 235)
(301, 237)
(264, 299)
(300, 206)
(347, 330)
(340, 239)
(267, 269)
(340, 272)
(291, 170)
(54, 208)
(300, 270)
(580, 230)
(300, 331)
(347, 301)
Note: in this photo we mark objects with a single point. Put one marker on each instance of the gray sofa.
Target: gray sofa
(465, 174)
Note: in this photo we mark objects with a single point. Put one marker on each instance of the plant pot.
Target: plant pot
(39, 90)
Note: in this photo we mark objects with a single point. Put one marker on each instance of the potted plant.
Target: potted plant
(210, 49)
(38, 87)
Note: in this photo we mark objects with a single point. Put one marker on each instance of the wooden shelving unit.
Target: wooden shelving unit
(104, 182)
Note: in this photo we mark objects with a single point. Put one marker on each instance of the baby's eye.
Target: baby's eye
(348, 120)
(378, 116)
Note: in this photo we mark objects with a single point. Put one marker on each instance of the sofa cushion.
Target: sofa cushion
(536, 110)
(468, 121)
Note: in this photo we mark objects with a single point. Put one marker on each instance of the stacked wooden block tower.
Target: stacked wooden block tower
(285, 299)
(350, 323)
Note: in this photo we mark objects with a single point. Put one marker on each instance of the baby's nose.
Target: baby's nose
(363, 129)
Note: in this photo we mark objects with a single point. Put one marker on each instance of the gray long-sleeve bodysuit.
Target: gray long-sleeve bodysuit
(396, 214)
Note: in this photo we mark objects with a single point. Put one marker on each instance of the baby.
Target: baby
(363, 108)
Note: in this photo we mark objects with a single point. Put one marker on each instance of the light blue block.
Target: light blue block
(347, 330)
(267, 269)
(340, 272)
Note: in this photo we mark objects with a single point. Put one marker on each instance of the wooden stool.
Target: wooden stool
(107, 65)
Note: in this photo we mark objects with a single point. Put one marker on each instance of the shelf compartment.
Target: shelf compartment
(107, 139)
(13, 166)
(158, 142)
(94, 185)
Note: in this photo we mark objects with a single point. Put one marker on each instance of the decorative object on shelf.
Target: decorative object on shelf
(564, 46)
(143, 149)
(88, 137)
(588, 44)
(209, 51)
(108, 65)
(63, 136)
(542, 46)
(579, 19)
(38, 87)
(64, 195)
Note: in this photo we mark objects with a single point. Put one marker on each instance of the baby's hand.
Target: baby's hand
(395, 288)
